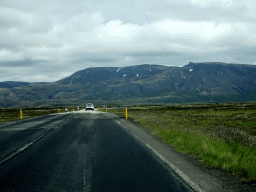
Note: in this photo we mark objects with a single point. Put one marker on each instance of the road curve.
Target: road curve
(91, 152)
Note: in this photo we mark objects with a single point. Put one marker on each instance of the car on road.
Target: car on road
(89, 106)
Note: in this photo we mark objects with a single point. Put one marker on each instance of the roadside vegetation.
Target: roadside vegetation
(14, 114)
(219, 135)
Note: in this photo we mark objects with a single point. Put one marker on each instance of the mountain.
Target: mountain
(142, 84)
(12, 84)
(111, 73)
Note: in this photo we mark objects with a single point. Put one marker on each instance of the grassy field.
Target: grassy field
(14, 114)
(220, 135)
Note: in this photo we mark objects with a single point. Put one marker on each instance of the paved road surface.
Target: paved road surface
(90, 152)
(17, 134)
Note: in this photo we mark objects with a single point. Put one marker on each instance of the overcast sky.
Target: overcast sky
(46, 40)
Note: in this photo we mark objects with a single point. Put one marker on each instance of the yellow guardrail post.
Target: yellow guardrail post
(126, 113)
(58, 110)
(106, 109)
(20, 113)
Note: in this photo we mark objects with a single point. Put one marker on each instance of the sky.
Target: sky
(47, 40)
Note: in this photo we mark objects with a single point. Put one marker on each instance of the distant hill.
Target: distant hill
(142, 84)
(12, 84)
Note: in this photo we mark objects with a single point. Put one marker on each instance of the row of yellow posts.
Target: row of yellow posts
(21, 112)
(126, 113)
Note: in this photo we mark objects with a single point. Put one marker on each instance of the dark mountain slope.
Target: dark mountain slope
(108, 73)
(195, 82)
(12, 84)
(219, 78)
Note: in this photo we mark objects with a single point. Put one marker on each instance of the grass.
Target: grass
(220, 135)
(14, 114)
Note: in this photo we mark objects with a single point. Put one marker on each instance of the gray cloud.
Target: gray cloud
(8, 46)
(20, 63)
(47, 40)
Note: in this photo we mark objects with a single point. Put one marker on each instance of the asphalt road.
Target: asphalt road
(17, 134)
(90, 151)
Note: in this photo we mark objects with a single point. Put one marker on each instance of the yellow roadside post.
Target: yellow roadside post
(58, 110)
(106, 109)
(126, 113)
(20, 113)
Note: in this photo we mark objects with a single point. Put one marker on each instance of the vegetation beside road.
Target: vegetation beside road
(220, 135)
(14, 114)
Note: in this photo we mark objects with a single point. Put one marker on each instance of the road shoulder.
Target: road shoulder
(207, 179)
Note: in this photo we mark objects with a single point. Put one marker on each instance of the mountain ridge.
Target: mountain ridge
(206, 82)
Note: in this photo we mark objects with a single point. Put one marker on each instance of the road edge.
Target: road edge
(187, 180)
(23, 147)
(31, 142)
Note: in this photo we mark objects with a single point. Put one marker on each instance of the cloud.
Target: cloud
(208, 3)
(20, 63)
(24, 21)
(67, 36)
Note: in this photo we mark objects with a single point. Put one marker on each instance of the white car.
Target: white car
(89, 106)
